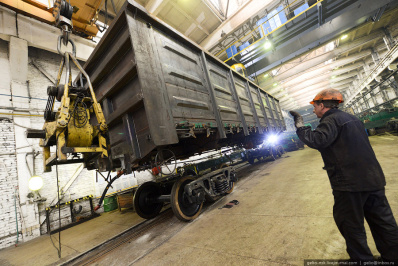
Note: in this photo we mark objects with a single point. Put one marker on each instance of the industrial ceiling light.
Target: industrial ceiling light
(275, 84)
(267, 45)
(344, 37)
(266, 75)
(35, 183)
(333, 77)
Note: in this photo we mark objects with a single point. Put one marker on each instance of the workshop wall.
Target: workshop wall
(8, 168)
(29, 219)
(8, 186)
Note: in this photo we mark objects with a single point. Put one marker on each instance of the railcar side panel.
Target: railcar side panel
(155, 85)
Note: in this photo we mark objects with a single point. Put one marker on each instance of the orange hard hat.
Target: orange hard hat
(328, 95)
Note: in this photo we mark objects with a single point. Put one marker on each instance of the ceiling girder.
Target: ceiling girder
(321, 71)
(354, 15)
(193, 21)
(155, 6)
(321, 59)
(308, 94)
(319, 81)
(248, 10)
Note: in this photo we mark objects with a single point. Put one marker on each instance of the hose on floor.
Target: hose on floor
(58, 202)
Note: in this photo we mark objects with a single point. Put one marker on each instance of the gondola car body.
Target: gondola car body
(158, 90)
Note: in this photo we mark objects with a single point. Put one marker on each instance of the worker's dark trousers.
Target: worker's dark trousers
(349, 211)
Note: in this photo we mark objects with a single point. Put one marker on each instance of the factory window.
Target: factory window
(272, 20)
(300, 9)
(276, 17)
(243, 46)
(265, 26)
(231, 51)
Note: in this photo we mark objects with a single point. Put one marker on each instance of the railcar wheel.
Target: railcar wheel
(250, 158)
(144, 200)
(282, 150)
(272, 154)
(182, 208)
(279, 151)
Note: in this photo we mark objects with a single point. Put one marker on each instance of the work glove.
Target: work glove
(298, 119)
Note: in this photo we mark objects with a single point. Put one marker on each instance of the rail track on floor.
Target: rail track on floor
(163, 227)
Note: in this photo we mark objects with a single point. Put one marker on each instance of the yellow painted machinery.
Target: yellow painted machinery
(84, 13)
(78, 127)
(240, 68)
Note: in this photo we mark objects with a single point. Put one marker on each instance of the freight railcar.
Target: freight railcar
(146, 97)
(158, 90)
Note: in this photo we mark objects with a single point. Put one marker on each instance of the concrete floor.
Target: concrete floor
(284, 217)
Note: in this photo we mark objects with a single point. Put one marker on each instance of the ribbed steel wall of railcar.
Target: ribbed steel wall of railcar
(185, 82)
(113, 72)
(270, 116)
(224, 96)
(244, 101)
(261, 113)
(276, 112)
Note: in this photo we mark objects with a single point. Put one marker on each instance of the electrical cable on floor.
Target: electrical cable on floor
(58, 203)
(16, 214)
(23, 223)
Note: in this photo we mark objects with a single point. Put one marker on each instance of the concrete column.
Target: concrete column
(351, 89)
(360, 107)
(372, 96)
(355, 84)
(366, 68)
(375, 56)
(393, 86)
(388, 40)
(356, 109)
(18, 61)
(394, 83)
(366, 102)
(384, 93)
(360, 76)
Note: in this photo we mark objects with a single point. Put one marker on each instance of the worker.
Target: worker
(355, 175)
